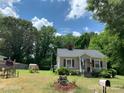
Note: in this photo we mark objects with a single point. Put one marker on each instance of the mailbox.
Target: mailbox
(104, 83)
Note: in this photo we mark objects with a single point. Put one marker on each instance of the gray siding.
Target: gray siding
(76, 62)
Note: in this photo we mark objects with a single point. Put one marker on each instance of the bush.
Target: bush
(63, 71)
(74, 72)
(31, 70)
(113, 72)
(105, 73)
(95, 73)
(63, 80)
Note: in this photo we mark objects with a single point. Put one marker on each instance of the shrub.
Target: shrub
(31, 71)
(63, 80)
(113, 72)
(74, 72)
(63, 71)
(105, 73)
(95, 73)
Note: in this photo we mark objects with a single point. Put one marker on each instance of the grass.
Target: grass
(42, 83)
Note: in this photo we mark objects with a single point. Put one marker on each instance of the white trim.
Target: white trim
(80, 67)
(66, 59)
(97, 60)
(58, 62)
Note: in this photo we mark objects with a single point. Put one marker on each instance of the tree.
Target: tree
(110, 12)
(18, 36)
(45, 37)
(109, 45)
(84, 40)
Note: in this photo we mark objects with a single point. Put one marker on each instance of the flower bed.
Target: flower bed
(64, 85)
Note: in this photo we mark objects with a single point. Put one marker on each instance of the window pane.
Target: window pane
(101, 63)
(68, 63)
(97, 64)
(73, 63)
(64, 63)
(93, 63)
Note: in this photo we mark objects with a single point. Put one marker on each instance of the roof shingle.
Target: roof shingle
(79, 52)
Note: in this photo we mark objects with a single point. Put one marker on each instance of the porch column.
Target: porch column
(80, 66)
(58, 62)
(91, 69)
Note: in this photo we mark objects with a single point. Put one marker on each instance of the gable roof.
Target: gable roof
(79, 52)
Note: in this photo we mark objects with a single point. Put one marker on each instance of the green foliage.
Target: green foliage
(110, 12)
(113, 72)
(111, 44)
(105, 73)
(95, 73)
(42, 51)
(64, 41)
(84, 40)
(74, 72)
(18, 36)
(63, 71)
(63, 80)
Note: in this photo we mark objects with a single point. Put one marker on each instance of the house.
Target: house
(82, 60)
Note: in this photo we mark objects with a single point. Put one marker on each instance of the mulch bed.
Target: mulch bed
(67, 87)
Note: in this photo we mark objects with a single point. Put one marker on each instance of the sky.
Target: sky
(66, 16)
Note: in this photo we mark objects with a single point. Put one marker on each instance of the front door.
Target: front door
(69, 65)
(87, 65)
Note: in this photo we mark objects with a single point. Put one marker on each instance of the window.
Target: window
(72, 62)
(101, 64)
(97, 64)
(64, 63)
(96, 61)
(93, 63)
(69, 63)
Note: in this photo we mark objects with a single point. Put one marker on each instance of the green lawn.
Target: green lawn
(42, 83)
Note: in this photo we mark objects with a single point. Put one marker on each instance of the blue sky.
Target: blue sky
(67, 16)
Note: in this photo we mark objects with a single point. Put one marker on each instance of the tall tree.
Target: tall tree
(111, 12)
(18, 36)
(45, 37)
(84, 40)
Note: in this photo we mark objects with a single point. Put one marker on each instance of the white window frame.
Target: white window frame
(71, 59)
(96, 60)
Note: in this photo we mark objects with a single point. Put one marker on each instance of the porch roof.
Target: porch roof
(79, 52)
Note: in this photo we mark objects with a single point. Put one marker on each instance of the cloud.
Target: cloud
(9, 12)
(77, 34)
(7, 9)
(38, 23)
(97, 32)
(53, 0)
(58, 34)
(77, 9)
(86, 29)
(9, 2)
